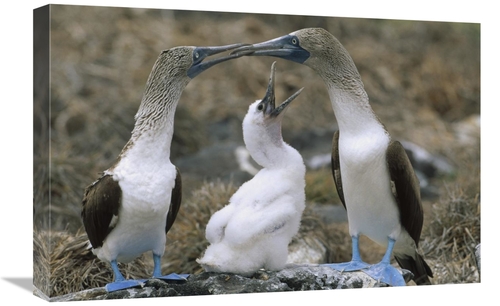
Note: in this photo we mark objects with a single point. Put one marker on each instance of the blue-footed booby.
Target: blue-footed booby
(253, 231)
(372, 173)
(132, 206)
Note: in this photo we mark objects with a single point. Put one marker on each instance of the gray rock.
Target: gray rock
(292, 278)
(427, 166)
(307, 249)
(468, 130)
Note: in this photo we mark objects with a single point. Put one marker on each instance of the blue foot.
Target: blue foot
(383, 271)
(124, 284)
(120, 281)
(348, 266)
(355, 264)
(170, 277)
(173, 277)
(386, 273)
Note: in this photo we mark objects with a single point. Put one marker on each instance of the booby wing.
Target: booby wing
(175, 201)
(407, 193)
(101, 201)
(336, 167)
(406, 189)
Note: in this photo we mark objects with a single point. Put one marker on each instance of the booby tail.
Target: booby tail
(417, 266)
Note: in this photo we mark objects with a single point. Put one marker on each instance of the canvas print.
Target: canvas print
(181, 153)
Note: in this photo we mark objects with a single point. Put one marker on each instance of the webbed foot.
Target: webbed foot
(354, 265)
(174, 277)
(386, 273)
(123, 284)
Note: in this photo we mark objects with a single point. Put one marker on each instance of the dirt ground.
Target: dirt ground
(423, 80)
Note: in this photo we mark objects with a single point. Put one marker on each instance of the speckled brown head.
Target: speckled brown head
(171, 73)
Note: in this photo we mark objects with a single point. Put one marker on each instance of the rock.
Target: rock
(245, 161)
(427, 166)
(430, 165)
(307, 249)
(292, 278)
(468, 131)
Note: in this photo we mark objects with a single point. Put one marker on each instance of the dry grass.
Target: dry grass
(422, 79)
(453, 232)
(64, 264)
(187, 237)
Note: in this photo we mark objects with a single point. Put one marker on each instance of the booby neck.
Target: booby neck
(262, 131)
(321, 51)
(348, 97)
(171, 73)
(353, 112)
(267, 147)
(155, 117)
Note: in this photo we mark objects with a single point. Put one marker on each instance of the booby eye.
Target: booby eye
(294, 41)
(196, 55)
(260, 107)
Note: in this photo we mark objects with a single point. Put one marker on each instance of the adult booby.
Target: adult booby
(132, 206)
(372, 173)
(253, 231)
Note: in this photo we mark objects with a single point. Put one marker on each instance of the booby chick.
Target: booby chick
(132, 206)
(372, 173)
(253, 231)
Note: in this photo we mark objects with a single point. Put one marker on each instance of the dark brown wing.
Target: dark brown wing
(336, 167)
(175, 201)
(407, 189)
(407, 193)
(100, 203)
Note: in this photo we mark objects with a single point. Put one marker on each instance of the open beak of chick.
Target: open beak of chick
(267, 104)
(201, 53)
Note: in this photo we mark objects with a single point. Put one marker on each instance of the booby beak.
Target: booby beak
(285, 47)
(268, 101)
(201, 53)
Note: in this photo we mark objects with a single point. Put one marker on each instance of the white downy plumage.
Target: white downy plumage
(253, 231)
